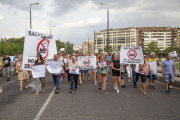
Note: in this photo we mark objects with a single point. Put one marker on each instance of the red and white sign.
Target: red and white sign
(131, 55)
(37, 42)
(73, 70)
(86, 61)
(43, 48)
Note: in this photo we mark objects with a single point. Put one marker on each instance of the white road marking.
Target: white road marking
(8, 82)
(44, 106)
(125, 93)
(32, 85)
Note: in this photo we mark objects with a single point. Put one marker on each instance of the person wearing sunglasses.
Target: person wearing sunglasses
(143, 72)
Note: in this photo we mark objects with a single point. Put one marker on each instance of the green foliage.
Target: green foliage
(160, 59)
(11, 46)
(110, 48)
(171, 49)
(152, 46)
(69, 47)
(87, 52)
(117, 51)
(59, 45)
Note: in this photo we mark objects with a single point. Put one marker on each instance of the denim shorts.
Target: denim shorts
(86, 71)
(153, 77)
(169, 78)
(81, 71)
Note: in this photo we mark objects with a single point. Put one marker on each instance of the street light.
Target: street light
(30, 14)
(50, 29)
(94, 37)
(88, 42)
(107, 24)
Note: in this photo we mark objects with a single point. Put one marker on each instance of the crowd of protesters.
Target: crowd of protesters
(105, 64)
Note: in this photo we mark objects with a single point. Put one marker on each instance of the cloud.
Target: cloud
(1, 17)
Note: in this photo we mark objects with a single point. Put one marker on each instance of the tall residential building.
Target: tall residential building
(176, 37)
(160, 35)
(91, 45)
(117, 38)
(85, 47)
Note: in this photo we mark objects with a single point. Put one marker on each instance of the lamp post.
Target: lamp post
(88, 43)
(94, 37)
(50, 29)
(30, 14)
(107, 24)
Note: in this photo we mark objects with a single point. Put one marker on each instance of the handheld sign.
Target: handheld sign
(54, 67)
(173, 54)
(96, 51)
(87, 62)
(73, 70)
(38, 71)
(62, 49)
(131, 55)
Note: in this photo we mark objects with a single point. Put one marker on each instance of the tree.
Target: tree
(69, 47)
(110, 48)
(171, 49)
(59, 45)
(152, 46)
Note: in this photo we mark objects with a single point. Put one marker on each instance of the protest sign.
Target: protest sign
(73, 70)
(96, 51)
(102, 64)
(37, 42)
(131, 55)
(62, 49)
(87, 62)
(153, 67)
(54, 67)
(38, 71)
(173, 54)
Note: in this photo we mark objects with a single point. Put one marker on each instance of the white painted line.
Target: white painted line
(125, 93)
(174, 87)
(44, 106)
(32, 85)
(8, 82)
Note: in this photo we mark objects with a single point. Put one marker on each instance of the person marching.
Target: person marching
(109, 57)
(115, 65)
(57, 77)
(143, 72)
(73, 77)
(122, 73)
(167, 72)
(102, 71)
(7, 65)
(96, 71)
(129, 72)
(15, 60)
(22, 75)
(153, 76)
(81, 72)
(39, 82)
(67, 68)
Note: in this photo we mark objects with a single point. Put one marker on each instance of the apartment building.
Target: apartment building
(117, 38)
(176, 37)
(85, 47)
(160, 35)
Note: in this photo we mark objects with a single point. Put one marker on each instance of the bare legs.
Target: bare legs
(20, 82)
(143, 88)
(95, 77)
(102, 79)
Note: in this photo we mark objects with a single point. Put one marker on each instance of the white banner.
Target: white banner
(131, 55)
(11, 57)
(54, 67)
(153, 67)
(73, 70)
(38, 71)
(87, 62)
(37, 42)
(173, 54)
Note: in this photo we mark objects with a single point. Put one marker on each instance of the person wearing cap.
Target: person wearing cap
(7, 64)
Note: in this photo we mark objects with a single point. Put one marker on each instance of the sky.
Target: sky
(72, 18)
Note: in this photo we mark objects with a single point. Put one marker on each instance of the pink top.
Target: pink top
(143, 70)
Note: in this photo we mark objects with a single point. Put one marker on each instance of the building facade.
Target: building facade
(142, 36)
(90, 47)
(117, 38)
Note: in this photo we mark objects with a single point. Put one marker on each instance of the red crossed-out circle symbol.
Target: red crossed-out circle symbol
(74, 69)
(86, 61)
(132, 54)
(44, 50)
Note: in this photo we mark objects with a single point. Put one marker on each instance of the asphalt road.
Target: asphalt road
(87, 103)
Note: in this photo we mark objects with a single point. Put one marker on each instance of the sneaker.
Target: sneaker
(168, 92)
(99, 89)
(170, 87)
(152, 87)
(113, 78)
(114, 87)
(117, 91)
(103, 92)
(56, 91)
(123, 86)
(71, 91)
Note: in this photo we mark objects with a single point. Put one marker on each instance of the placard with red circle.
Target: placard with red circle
(46, 49)
(132, 54)
(86, 61)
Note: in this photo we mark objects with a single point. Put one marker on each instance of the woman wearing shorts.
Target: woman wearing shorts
(143, 72)
(101, 65)
(115, 65)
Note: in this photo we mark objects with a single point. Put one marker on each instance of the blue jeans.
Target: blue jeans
(14, 69)
(74, 77)
(169, 78)
(135, 77)
(56, 79)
